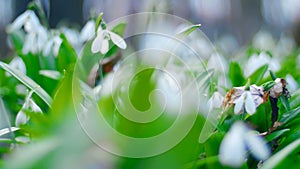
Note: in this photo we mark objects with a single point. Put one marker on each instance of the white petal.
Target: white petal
(19, 22)
(249, 104)
(210, 104)
(88, 31)
(218, 100)
(47, 48)
(118, 40)
(28, 43)
(97, 43)
(105, 46)
(233, 149)
(292, 83)
(257, 146)
(239, 104)
(34, 107)
(21, 118)
(18, 63)
(56, 45)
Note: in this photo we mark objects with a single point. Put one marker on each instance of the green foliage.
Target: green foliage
(28, 82)
(236, 74)
(57, 138)
(258, 75)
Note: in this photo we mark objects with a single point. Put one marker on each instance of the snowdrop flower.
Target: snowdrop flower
(244, 99)
(101, 42)
(52, 45)
(36, 35)
(264, 40)
(236, 143)
(29, 104)
(256, 61)
(245, 102)
(73, 36)
(215, 101)
(88, 31)
(17, 63)
(293, 85)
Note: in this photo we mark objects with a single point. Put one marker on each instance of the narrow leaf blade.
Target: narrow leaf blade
(28, 82)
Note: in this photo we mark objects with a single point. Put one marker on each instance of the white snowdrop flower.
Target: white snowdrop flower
(245, 102)
(232, 149)
(256, 61)
(35, 40)
(256, 145)
(235, 145)
(88, 31)
(36, 35)
(20, 21)
(215, 101)
(101, 42)
(264, 40)
(21, 117)
(17, 63)
(72, 35)
(52, 46)
(292, 83)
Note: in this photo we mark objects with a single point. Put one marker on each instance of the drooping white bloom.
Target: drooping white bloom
(101, 42)
(18, 63)
(21, 117)
(52, 46)
(88, 31)
(215, 101)
(245, 100)
(292, 83)
(256, 61)
(36, 35)
(235, 145)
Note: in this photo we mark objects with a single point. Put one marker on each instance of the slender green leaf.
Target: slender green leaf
(66, 55)
(268, 85)
(98, 21)
(258, 75)
(8, 130)
(290, 115)
(273, 161)
(188, 30)
(285, 102)
(28, 82)
(272, 74)
(276, 134)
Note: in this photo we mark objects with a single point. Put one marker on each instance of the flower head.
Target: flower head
(215, 101)
(101, 42)
(245, 100)
(240, 139)
(52, 46)
(36, 35)
(87, 31)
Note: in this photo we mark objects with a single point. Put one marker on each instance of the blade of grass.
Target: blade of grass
(8, 130)
(28, 82)
(281, 155)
